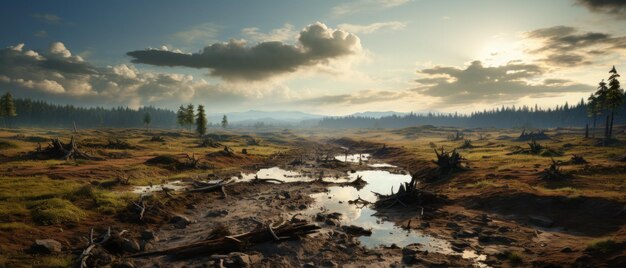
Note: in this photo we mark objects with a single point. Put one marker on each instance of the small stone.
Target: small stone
(357, 230)
(239, 258)
(567, 250)
(302, 206)
(46, 246)
(411, 249)
(329, 263)
(149, 235)
(309, 265)
(130, 245)
(180, 221)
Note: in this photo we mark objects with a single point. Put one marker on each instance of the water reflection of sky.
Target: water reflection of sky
(146, 190)
(353, 158)
(383, 232)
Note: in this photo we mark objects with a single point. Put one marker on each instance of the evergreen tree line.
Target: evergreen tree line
(607, 102)
(35, 113)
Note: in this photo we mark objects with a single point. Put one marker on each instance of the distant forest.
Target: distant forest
(43, 114)
(504, 117)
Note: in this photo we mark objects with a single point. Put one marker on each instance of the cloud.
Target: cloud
(283, 34)
(481, 84)
(47, 18)
(365, 5)
(41, 34)
(569, 46)
(616, 8)
(236, 61)
(357, 98)
(374, 27)
(204, 32)
(57, 75)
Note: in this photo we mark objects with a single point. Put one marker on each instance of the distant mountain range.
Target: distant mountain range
(283, 117)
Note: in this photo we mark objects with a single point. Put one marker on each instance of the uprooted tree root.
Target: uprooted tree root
(554, 173)
(288, 230)
(448, 163)
(526, 136)
(58, 150)
(408, 195)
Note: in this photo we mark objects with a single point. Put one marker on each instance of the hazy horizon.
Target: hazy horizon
(323, 57)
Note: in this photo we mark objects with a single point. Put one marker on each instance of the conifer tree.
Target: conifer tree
(181, 117)
(224, 122)
(614, 97)
(147, 119)
(7, 107)
(201, 121)
(189, 116)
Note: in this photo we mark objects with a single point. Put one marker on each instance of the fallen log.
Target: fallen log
(210, 188)
(230, 243)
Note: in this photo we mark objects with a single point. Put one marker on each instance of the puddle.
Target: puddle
(384, 233)
(353, 158)
(148, 189)
(382, 165)
(277, 173)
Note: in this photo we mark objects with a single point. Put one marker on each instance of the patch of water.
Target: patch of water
(382, 165)
(148, 189)
(384, 233)
(353, 158)
(277, 173)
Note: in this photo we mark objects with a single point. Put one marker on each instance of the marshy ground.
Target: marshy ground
(502, 211)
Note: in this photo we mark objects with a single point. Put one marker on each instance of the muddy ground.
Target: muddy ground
(487, 209)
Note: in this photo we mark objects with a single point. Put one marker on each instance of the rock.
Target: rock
(130, 245)
(411, 250)
(309, 265)
(303, 206)
(149, 235)
(465, 234)
(567, 250)
(147, 246)
(329, 263)
(46, 246)
(424, 224)
(217, 213)
(255, 258)
(332, 222)
(334, 215)
(452, 225)
(180, 221)
(504, 229)
(357, 230)
(320, 217)
(541, 221)
(241, 259)
(495, 239)
(459, 244)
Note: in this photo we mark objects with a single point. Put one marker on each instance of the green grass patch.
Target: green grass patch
(103, 201)
(12, 226)
(55, 211)
(604, 246)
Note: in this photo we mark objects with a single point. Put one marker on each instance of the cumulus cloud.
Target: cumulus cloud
(58, 75)
(286, 33)
(365, 5)
(616, 8)
(569, 46)
(236, 60)
(47, 18)
(374, 27)
(478, 83)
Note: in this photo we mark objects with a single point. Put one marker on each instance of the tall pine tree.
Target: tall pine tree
(189, 116)
(201, 121)
(614, 97)
(7, 107)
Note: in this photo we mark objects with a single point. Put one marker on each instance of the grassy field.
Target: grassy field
(40, 197)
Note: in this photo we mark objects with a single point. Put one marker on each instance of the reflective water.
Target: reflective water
(384, 233)
(172, 185)
(353, 158)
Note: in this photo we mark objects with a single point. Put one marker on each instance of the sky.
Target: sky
(323, 57)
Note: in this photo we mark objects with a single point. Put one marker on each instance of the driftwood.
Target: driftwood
(259, 180)
(59, 150)
(230, 243)
(449, 162)
(407, 195)
(526, 136)
(553, 172)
